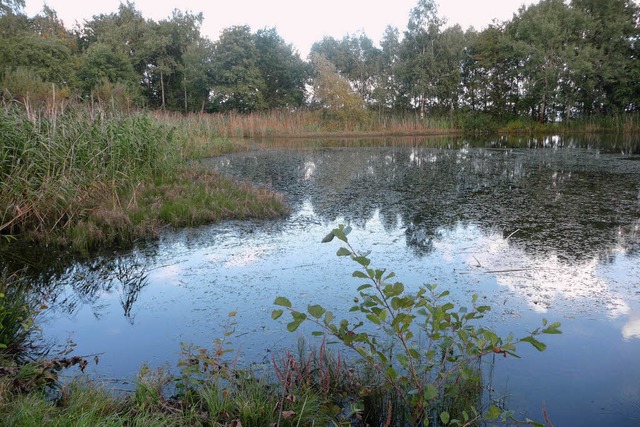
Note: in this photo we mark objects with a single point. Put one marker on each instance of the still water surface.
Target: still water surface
(551, 230)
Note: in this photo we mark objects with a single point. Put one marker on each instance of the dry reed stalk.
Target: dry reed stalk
(545, 414)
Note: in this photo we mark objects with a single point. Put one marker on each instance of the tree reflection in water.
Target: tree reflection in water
(68, 283)
(574, 198)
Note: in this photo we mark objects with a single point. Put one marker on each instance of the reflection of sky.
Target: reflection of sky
(309, 169)
(217, 272)
(631, 329)
(244, 257)
(195, 280)
(547, 283)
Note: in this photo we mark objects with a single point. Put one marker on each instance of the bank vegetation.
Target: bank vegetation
(92, 178)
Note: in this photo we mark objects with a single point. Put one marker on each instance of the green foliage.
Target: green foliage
(283, 72)
(428, 350)
(150, 389)
(210, 379)
(102, 64)
(201, 366)
(341, 106)
(50, 58)
(237, 83)
(552, 61)
(115, 96)
(477, 122)
(355, 58)
(25, 85)
(17, 315)
(196, 79)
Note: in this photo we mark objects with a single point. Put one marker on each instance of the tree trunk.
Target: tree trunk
(162, 89)
(543, 108)
(186, 104)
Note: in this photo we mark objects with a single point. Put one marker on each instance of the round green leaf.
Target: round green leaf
(282, 301)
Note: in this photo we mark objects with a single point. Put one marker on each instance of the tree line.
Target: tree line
(553, 60)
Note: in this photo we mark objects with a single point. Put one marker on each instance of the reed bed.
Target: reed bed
(303, 123)
(54, 165)
(90, 177)
(200, 128)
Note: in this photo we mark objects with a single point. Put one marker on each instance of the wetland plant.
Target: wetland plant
(424, 352)
(89, 178)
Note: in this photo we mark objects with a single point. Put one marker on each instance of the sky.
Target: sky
(298, 22)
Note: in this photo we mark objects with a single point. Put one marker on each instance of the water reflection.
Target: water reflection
(68, 284)
(631, 329)
(571, 202)
(545, 282)
(551, 223)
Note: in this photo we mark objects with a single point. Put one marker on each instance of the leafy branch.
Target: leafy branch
(427, 349)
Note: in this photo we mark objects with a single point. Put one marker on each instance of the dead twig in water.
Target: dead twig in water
(508, 270)
(546, 415)
(509, 236)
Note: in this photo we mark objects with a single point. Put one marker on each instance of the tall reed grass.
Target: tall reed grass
(303, 123)
(90, 177)
(53, 165)
(627, 123)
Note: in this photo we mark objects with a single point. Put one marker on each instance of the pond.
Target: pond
(541, 228)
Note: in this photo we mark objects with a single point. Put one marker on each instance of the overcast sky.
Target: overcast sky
(298, 22)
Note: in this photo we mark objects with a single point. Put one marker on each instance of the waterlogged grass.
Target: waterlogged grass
(194, 197)
(188, 197)
(93, 178)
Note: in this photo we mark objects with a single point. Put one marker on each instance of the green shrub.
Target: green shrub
(428, 354)
(477, 122)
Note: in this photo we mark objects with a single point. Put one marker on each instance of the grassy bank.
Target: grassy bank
(92, 178)
(248, 402)
(314, 124)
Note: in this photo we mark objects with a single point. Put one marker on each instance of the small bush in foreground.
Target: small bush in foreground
(425, 352)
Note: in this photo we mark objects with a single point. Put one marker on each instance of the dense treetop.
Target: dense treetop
(553, 60)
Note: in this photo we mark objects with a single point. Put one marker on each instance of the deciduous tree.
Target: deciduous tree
(238, 84)
(283, 71)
